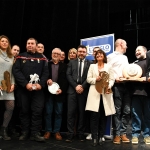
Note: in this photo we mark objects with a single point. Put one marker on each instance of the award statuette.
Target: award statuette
(34, 79)
(53, 88)
(132, 72)
(103, 83)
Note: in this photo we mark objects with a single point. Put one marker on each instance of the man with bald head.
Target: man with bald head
(120, 92)
(141, 101)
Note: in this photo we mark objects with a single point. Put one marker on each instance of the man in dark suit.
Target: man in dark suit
(77, 93)
(54, 102)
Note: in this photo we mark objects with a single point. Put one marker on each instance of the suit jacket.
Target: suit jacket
(93, 99)
(72, 76)
(62, 80)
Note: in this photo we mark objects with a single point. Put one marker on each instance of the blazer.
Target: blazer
(62, 80)
(93, 100)
(72, 75)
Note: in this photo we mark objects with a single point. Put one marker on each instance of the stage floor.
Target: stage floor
(52, 144)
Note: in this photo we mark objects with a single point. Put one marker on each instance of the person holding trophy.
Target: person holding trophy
(57, 86)
(7, 84)
(141, 100)
(31, 73)
(100, 100)
(121, 94)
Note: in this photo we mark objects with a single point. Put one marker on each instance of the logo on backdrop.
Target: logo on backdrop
(106, 48)
(105, 42)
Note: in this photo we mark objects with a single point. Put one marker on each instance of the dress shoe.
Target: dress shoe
(37, 137)
(24, 136)
(117, 139)
(69, 138)
(58, 136)
(124, 138)
(47, 135)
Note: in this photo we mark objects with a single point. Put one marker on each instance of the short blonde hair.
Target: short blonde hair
(72, 50)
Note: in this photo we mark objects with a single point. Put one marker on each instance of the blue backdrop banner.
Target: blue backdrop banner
(105, 42)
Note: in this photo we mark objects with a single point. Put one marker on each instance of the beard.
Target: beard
(140, 57)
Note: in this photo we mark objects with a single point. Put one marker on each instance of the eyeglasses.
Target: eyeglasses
(56, 53)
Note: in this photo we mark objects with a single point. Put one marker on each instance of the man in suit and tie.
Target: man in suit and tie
(77, 93)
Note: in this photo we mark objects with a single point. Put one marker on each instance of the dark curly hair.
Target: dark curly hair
(101, 52)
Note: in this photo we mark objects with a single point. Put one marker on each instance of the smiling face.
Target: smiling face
(72, 54)
(31, 45)
(62, 56)
(81, 53)
(15, 50)
(40, 48)
(100, 56)
(56, 52)
(4, 43)
(140, 52)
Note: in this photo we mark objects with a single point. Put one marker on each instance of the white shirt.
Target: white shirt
(118, 61)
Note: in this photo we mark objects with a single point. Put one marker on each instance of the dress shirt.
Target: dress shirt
(118, 61)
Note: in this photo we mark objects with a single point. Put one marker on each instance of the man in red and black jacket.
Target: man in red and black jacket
(31, 95)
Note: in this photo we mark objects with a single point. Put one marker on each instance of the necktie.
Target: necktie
(80, 68)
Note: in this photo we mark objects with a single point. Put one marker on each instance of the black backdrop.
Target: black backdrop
(62, 23)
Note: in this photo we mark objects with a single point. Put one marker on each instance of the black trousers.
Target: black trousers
(76, 106)
(122, 101)
(31, 105)
(98, 122)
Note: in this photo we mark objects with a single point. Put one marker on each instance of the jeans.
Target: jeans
(122, 103)
(140, 115)
(58, 108)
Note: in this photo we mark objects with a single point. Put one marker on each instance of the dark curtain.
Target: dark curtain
(62, 23)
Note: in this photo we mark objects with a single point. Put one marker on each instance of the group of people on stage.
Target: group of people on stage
(77, 85)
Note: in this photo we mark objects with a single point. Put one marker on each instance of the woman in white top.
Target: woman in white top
(6, 83)
(100, 105)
